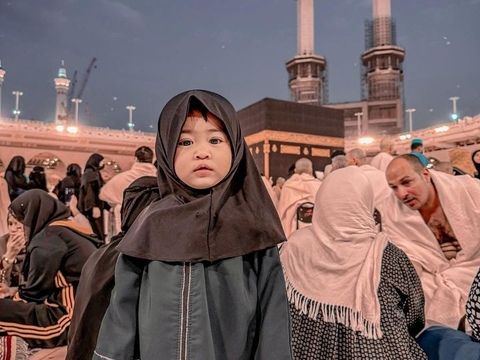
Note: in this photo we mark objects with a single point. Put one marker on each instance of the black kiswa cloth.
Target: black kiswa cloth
(234, 218)
(97, 279)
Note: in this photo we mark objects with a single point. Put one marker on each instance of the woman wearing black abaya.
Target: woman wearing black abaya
(97, 280)
(199, 275)
(16, 179)
(70, 184)
(89, 202)
(40, 310)
(38, 178)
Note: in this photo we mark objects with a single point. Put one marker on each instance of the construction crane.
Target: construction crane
(85, 79)
(68, 106)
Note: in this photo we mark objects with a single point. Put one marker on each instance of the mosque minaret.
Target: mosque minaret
(306, 70)
(383, 60)
(2, 75)
(62, 84)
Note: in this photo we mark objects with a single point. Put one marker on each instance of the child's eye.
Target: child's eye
(215, 141)
(185, 143)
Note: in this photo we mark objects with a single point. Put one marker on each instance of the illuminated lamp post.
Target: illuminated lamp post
(130, 118)
(16, 112)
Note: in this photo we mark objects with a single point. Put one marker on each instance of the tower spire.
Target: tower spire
(382, 76)
(305, 17)
(382, 23)
(62, 72)
(381, 9)
(62, 84)
(306, 70)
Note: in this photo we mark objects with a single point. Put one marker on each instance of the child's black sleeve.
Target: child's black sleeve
(119, 330)
(273, 331)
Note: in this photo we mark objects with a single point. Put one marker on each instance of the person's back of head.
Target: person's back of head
(304, 166)
(356, 157)
(144, 154)
(386, 145)
(74, 170)
(38, 178)
(17, 165)
(445, 167)
(339, 162)
(280, 181)
(336, 153)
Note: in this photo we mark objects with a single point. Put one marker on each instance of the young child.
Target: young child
(199, 275)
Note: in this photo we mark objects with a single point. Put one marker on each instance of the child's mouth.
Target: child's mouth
(202, 168)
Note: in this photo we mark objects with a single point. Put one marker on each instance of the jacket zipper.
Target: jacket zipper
(185, 310)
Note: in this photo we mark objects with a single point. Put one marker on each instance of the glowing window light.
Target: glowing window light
(441, 129)
(72, 129)
(60, 128)
(405, 136)
(366, 140)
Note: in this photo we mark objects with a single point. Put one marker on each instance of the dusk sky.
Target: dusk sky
(150, 50)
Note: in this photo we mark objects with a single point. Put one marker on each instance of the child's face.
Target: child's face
(204, 156)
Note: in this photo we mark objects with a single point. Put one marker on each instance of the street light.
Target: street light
(359, 122)
(130, 121)
(454, 114)
(410, 122)
(76, 101)
(16, 112)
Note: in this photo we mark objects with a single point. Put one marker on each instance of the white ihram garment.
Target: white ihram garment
(381, 161)
(446, 283)
(377, 178)
(296, 190)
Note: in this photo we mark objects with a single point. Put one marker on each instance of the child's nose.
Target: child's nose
(202, 155)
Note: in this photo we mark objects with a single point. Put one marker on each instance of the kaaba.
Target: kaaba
(280, 132)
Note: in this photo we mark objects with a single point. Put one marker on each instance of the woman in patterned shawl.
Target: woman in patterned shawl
(352, 294)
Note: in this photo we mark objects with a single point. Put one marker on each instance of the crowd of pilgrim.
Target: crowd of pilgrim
(198, 256)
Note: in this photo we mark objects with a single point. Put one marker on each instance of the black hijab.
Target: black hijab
(234, 218)
(16, 165)
(38, 178)
(35, 209)
(74, 170)
(137, 197)
(74, 176)
(477, 165)
(93, 162)
(92, 170)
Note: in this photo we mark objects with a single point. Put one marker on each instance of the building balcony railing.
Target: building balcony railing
(32, 126)
(441, 136)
